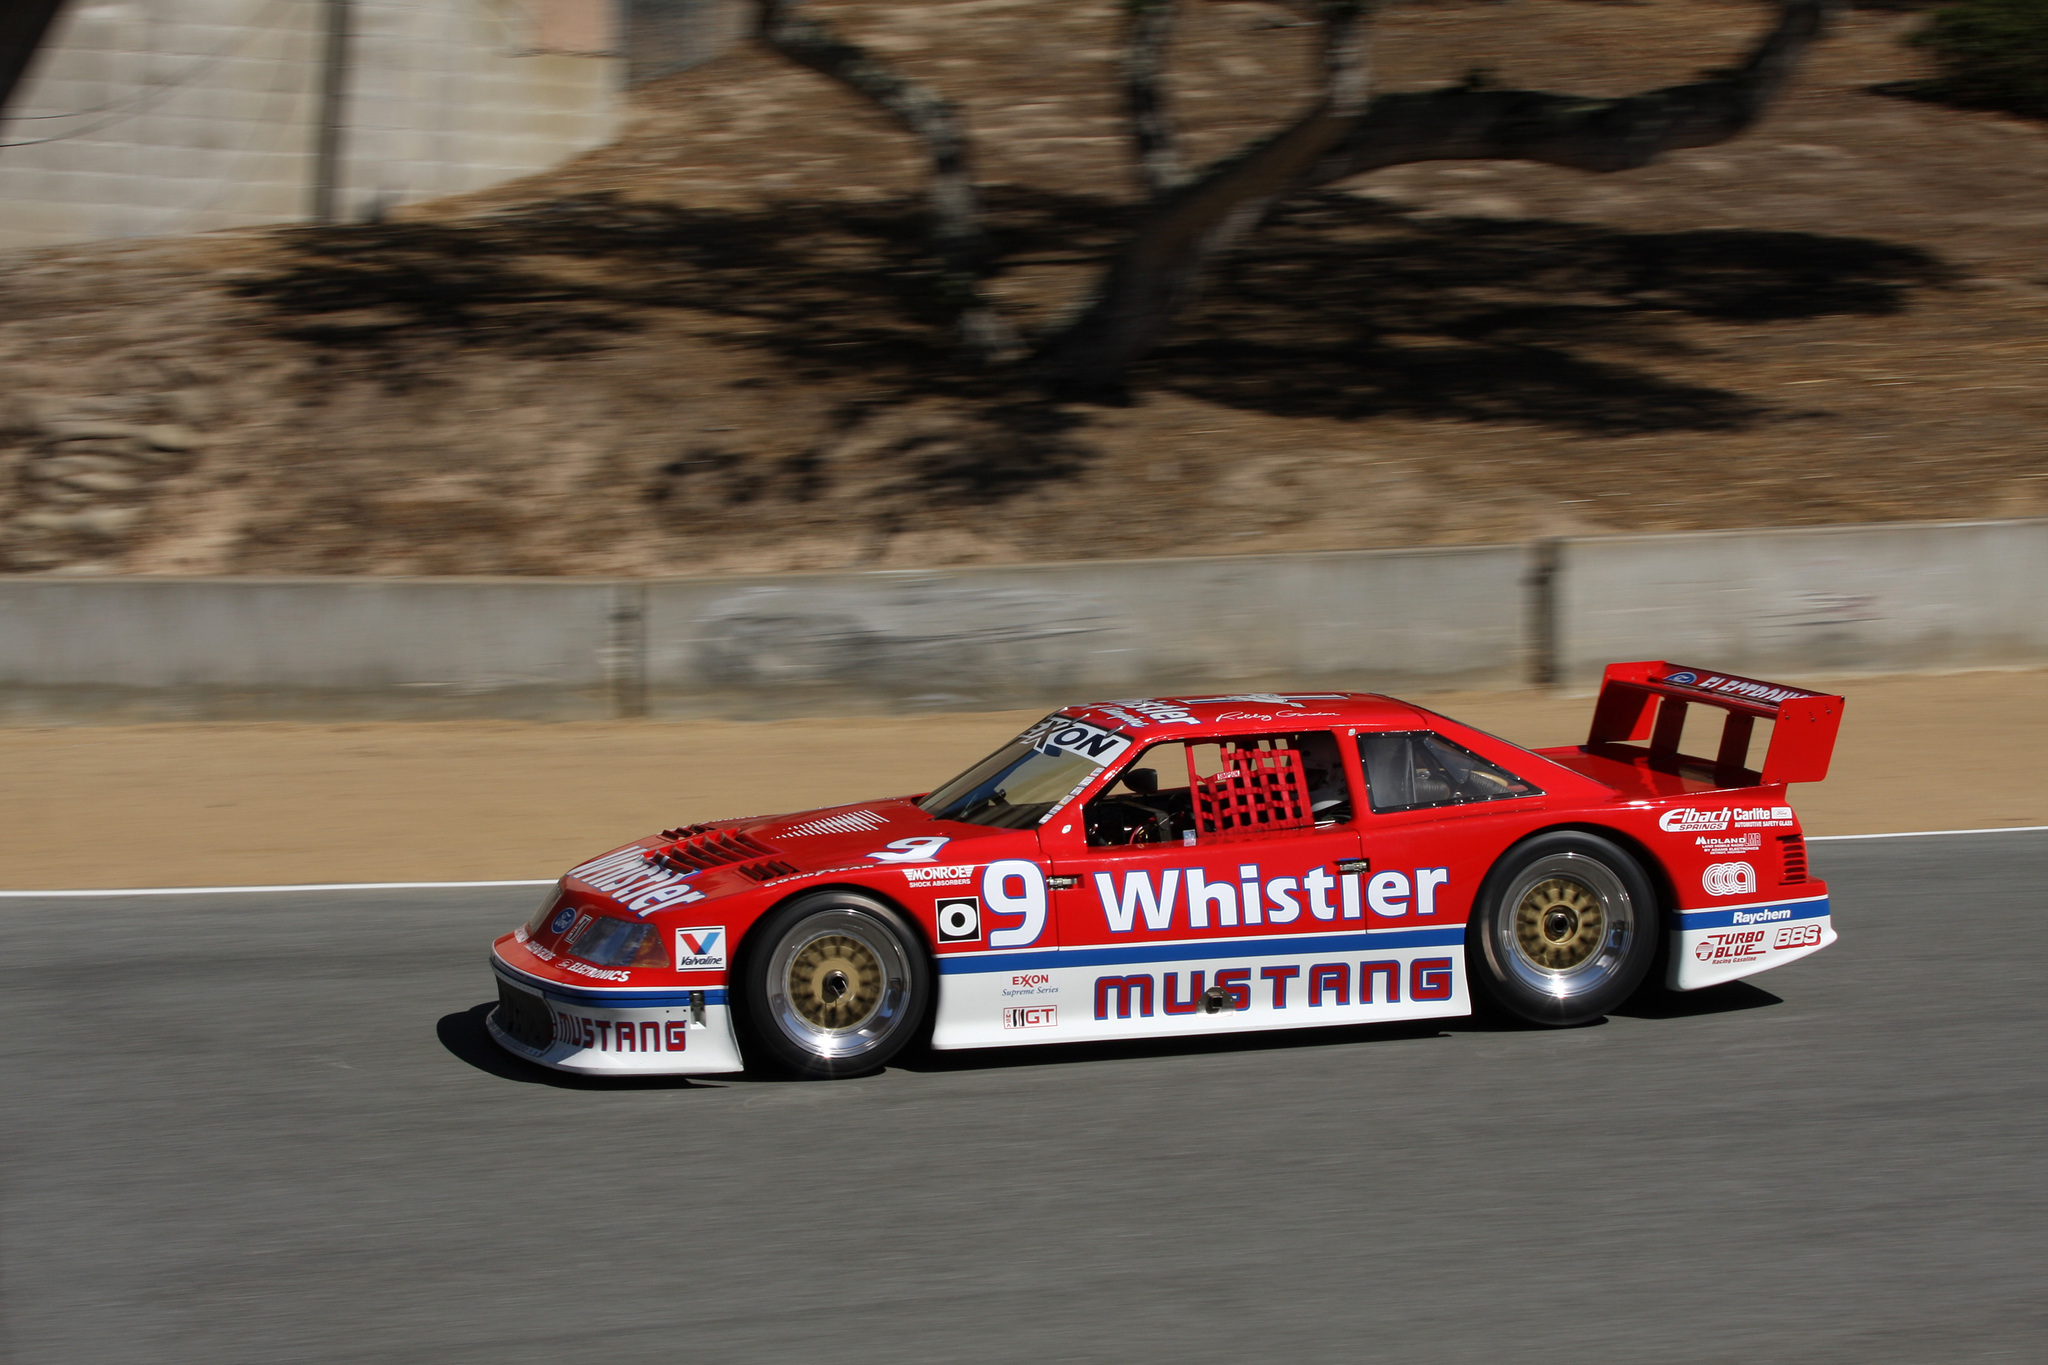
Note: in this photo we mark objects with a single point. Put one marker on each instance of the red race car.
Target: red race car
(1138, 869)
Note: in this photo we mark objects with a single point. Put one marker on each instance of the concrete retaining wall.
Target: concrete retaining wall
(1826, 599)
(154, 117)
(1030, 633)
(1770, 603)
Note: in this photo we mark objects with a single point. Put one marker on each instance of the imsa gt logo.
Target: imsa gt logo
(1031, 1016)
(1729, 879)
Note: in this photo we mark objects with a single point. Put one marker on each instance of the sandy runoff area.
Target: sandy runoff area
(88, 806)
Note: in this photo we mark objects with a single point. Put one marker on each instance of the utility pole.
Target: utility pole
(334, 73)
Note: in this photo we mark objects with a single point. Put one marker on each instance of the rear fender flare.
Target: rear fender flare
(1652, 866)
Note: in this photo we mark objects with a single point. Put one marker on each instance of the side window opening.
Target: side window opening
(1416, 769)
(1233, 788)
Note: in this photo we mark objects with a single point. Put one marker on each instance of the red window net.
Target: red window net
(1259, 791)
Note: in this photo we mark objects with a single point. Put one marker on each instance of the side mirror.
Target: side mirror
(1143, 781)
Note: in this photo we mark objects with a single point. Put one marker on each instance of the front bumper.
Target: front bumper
(618, 1032)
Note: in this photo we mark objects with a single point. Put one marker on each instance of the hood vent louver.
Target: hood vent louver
(698, 848)
(768, 871)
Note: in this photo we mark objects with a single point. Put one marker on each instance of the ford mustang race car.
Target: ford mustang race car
(1137, 869)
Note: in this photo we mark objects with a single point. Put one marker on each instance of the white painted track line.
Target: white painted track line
(463, 886)
(1925, 833)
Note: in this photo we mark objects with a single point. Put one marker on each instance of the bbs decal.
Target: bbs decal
(959, 919)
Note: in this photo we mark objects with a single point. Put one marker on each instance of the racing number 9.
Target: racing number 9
(1027, 899)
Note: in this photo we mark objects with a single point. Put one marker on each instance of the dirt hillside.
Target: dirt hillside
(709, 348)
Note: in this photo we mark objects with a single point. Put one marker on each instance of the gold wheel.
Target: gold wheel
(1559, 924)
(835, 982)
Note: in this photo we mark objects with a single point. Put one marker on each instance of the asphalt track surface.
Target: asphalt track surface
(269, 1128)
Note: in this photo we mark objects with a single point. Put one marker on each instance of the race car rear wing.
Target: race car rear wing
(1803, 726)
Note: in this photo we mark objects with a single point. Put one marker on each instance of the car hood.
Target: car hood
(680, 867)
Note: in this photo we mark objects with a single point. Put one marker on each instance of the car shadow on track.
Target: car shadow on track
(925, 1059)
(465, 1036)
(1655, 1002)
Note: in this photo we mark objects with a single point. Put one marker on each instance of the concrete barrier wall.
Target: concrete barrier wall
(1037, 632)
(218, 648)
(1824, 599)
(155, 117)
(1771, 603)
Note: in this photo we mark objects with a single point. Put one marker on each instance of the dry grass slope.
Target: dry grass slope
(712, 348)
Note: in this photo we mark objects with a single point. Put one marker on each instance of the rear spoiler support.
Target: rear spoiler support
(1648, 700)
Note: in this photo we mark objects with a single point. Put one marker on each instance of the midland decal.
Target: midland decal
(1252, 899)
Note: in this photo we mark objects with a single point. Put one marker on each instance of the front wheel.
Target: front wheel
(834, 984)
(1565, 929)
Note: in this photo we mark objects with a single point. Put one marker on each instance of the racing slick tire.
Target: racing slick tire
(1565, 928)
(834, 983)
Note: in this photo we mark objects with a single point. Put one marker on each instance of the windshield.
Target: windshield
(1030, 777)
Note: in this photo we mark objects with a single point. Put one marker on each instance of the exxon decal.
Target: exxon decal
(1077, 737)
(700, 949)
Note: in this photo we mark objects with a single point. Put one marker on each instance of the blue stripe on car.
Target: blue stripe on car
(624, 998)
(1782, 912)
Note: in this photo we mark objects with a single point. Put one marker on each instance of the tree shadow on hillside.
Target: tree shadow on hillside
(1342, 306)
(1523, 320)
(1934, 90)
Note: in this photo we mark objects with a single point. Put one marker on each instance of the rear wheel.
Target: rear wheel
(1565, 929)
(834, 984)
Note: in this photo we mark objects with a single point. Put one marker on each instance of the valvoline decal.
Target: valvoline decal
(700, 949)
